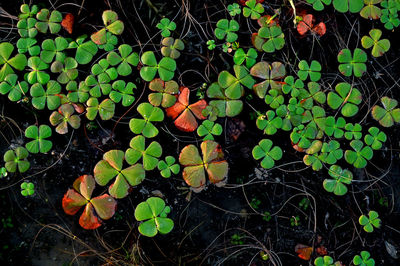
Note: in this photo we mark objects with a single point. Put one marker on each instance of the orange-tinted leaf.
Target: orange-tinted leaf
(322, 250)
(304, 252)
(105, 206)
(197, 108)
(217, 171)
(88, 219)
(72, 202)
(305, 25)
(320, 29)
(194, 176)
(68, 22)
(86, 186)
(186, 121)
(180, 105)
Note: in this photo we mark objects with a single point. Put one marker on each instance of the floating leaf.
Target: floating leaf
(125, 59)
(347, 97)
(105, 109)
(171, 47)
(208, 128)
(223, 105)
(84, 50)
(50, 96)
(47, 20)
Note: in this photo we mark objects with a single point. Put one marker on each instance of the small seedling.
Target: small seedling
(324, 261)
(364, 260)
(27, 189)
(294, 220)
(267, 153)
(370, 221)
(168, 167)
(166, 26)
(237, 239)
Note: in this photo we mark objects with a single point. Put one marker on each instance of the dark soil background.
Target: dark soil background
(35, 230)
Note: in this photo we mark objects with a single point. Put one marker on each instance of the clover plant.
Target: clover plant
(27, 11)
(208, 129)
(352, 131)
(153, 215)
(185, 114)
(165, 68)
(269, 122)
(269, 39)
(3, 172)
(390, 16)
(331, 152)
(16, 159)
(370, 221)
(272, 74)
(27, 28)
(353, 6)
(123, 92)
(341, 178)
(319, 4)
(223, 104)
(27, 189)
(111, 167)
(66, 69)
(360, 154)
(164, 92)
(125, 59)
(39, 136)
(172, 47)
(28, 45)
(85, 50)
(292, 86)
(166, 26)
(111, 24)
(150, 155)
(370, 10)
(249, 58)
(347, 97)
(8, 64)
(145, 126)
(96, 208)
(303, 136)
(313, 70)
(234, 9)
(334, 127)
(48, 21)
(389, 114)
(375, 138)
(64, 116)
(253, 9)
(37, 73)
(267, 153)
(211, 45)
(352, 64)
(54, 49)
(364, 259)
(195, 166)
(105, 109)
(50, 96)
(168, 167)
(226, 30)
(15, 89)
(324, 261)
(379, 46)
(233, 85)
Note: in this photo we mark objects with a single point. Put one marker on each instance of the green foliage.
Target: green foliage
(111, 25)
(166, 26)
(64, 116)
(28, 45)
(66, 68)
(267, 153)
(241, 57)
(390, 16)
(234, 9)
(319, 4)
(364, 260)
(6, 63)
(353, 131)
(105, 109)
(302, 136)
(138, 150)
(3, 172)
(27, 189)
(172, 47)
(346, 97)
(324, 261)
(84, 50)
(370, 221)
(226, 30)
(39, 136)
(111, 167)
(110, 42)
(354, 6)
(375, 138)
(379, 47)
(164, 92)
(292, 86)
(341, 177)
(269, 122)
(223, 105)
(271, 76)
(360, 155)
(313, 70)
(352, 64)
(168, 167)
(253, 9)
(50, 96)
(269, 39)
(48, 21)
(166, 67)
(54, 49)
(123, 92)
(211, 45)
(145, 126)
(27, 28)
(37, 74)
(13, 88)
(28, 12)
(370, 11)
(208, 128)
(153, 215)
(233, 85)
(389, 114)
(125, 59)
(334, 127)
(16, 159)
